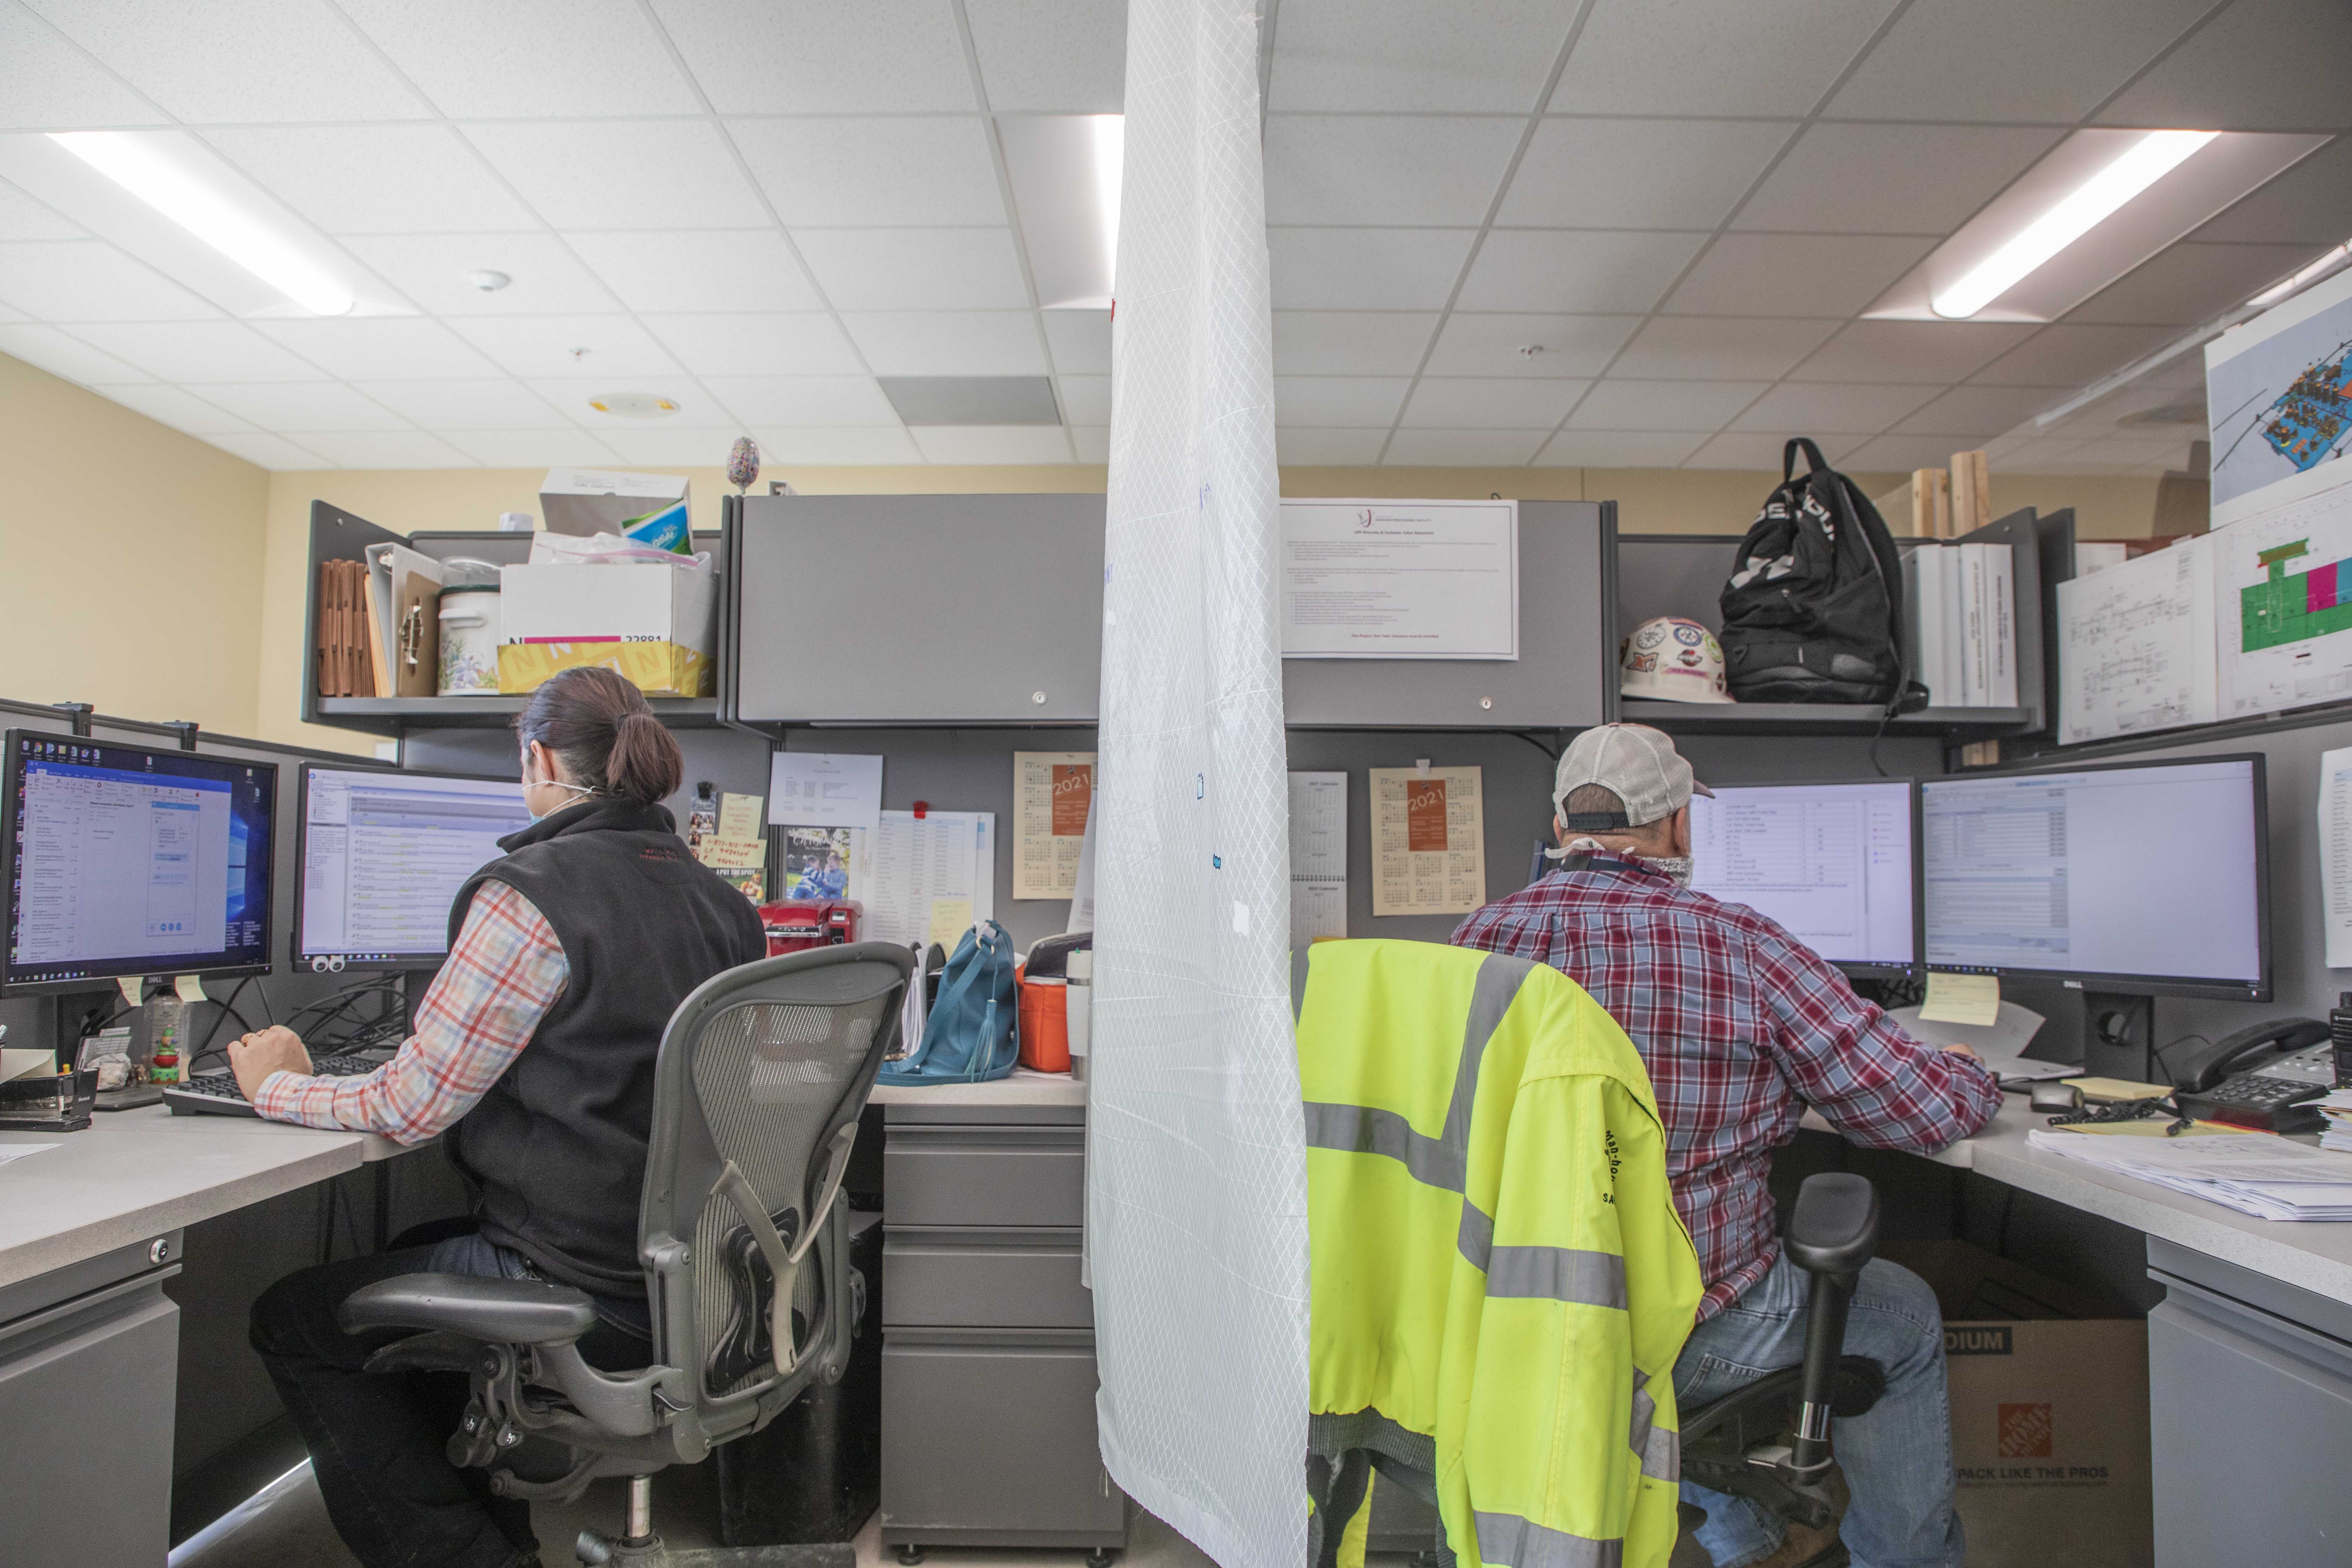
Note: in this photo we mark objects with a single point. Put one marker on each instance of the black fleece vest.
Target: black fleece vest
(556, 1150)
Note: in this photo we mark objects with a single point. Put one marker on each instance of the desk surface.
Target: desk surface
(134, 1174)
(1022, 1087)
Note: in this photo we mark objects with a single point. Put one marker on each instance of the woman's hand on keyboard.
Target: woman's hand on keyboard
(253, 1058)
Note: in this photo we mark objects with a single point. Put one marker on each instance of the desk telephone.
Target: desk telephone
(2262, 1077)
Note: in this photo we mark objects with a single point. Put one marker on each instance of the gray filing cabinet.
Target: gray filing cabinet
(89, 1362)
(2249, 1411)
(988, 1344)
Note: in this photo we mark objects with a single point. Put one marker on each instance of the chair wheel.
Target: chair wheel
(1098, 1558)
(911, 1555)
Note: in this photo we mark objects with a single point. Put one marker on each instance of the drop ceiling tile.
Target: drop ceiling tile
(1794, 274)
(1093, 443)
(383, 449)
(822, 445)
(1515, 403)
(2310, 204)
(257, 60)
(88, 280)
(1639, 174)
(1365, 269)
(290, 405)
(272, 452)
(1876, 179)
(1616, 405)
(1086, 400)
(547, 279)
(915, 268)
(1368, 169)
(180, 410)
(1327, 448)
(805, 343)
(22, 217)
(1617, 449)
(2262, 65)
(804, 400)
(820, 56)
(528, 59)
(658, 174)
(1570, 270)
(697, 407)
(2071, 355)
(2009, 59)
(47, 84)
(1475, 344)
(873, 172)
(2131, 453)
(1715, 347)
(377, 179)
(381, 348)
(1749, 452)
(1337, 401)
(1812, 408)
(1404, 56)
(716, 271)
(530, 448)
(1976, 412)
(1051, 57)
(1898, 454)
(1350, 343)
(2187, 284)
(1910, 351)
(1712, 56)
(948, 343)
(617, 346)
(1080, 341)
(62, 354)
(444, 405)
(2031, 453)
(1463, 449)
(992, 444)
(200, 350)
(662, 445)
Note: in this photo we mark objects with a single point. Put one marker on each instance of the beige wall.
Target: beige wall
(131, 559)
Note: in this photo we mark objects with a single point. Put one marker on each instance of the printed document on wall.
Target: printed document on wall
(1429, 841)
(815, 789)
(1390, 579)
(2335, 855)
(2135, 645)
(2282, 607)
(1052, 792)
(1318, 857)
(927, 879)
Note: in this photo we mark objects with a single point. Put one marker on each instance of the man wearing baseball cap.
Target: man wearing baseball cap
(1743, 1027)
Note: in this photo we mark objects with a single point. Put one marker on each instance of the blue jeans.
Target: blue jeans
(1897, 1459)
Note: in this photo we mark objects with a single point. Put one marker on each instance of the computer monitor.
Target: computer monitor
(2149, 879)
(1835, 863)
(128, 861)
(382, 857)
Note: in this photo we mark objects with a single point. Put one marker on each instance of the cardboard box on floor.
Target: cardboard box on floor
(2049, 1396)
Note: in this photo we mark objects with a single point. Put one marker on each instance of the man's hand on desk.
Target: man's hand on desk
(1961, 1052)
(253, 1058)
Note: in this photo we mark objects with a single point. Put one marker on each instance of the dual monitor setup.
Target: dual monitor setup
(128, 861)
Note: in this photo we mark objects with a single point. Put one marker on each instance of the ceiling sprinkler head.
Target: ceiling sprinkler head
(1529, 350)
(488, 279)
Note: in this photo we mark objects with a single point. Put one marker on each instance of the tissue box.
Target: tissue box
(655, 624)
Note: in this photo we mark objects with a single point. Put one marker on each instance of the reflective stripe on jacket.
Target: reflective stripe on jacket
(1498, 1263)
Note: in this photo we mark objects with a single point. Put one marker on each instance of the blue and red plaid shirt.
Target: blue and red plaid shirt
(1742, 1027)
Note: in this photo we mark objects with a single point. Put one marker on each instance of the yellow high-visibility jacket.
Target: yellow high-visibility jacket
(1500, 1283)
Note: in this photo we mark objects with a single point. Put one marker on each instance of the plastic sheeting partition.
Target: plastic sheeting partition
(1196, 1163)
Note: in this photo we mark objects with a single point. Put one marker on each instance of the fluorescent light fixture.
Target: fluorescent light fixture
(1110, 138)
(2090, 204)
(1065, 171)
(140, 168)
(2301, 278)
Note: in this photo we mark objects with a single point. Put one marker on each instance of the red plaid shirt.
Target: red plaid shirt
(1742, 1027)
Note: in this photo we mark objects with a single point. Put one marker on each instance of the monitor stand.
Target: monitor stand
(2118, 1035)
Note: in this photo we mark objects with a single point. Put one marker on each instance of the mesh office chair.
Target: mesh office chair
(762, 1073)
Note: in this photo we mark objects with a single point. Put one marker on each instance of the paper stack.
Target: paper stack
(1959, 610)
(2337, 1109)
(2253, 1173)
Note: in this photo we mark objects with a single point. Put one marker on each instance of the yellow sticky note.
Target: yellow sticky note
(1961, 999)
(134, 988)
(189, 988)
(950, 918)
(2096, 1089)
(739, 815)
(733, 854)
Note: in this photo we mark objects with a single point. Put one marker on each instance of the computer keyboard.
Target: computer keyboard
(216, 1094)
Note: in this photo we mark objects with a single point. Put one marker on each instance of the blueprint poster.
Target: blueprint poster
(2282, 606)
(2278, 394)
(2135, 645)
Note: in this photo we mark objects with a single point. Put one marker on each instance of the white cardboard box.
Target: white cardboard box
(655, 624)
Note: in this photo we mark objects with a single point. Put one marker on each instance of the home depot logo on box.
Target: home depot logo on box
(2023, 1431)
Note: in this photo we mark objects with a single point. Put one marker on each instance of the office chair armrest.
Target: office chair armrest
(497, 1311)
(1835, 1227)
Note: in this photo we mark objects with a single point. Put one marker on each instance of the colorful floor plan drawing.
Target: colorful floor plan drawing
(2312, 415)
(2281, 609)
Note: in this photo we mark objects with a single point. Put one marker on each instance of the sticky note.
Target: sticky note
(950, 918)
(739, 815)
(189, 988)
(733, 854)
(2113, 1088)
(134, 988)
(1961, 998)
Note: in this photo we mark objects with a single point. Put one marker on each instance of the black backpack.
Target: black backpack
(1813, 612)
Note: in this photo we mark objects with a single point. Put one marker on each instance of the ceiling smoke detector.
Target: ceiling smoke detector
(633, 404)
(488, 279)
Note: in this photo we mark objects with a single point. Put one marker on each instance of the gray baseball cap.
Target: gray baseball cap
(1637, 763)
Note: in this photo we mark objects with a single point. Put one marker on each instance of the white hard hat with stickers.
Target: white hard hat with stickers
(1674, 659)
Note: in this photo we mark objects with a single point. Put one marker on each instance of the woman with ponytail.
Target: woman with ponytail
(534, 1051)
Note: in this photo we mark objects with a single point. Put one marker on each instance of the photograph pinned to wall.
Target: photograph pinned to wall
(818, 862)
